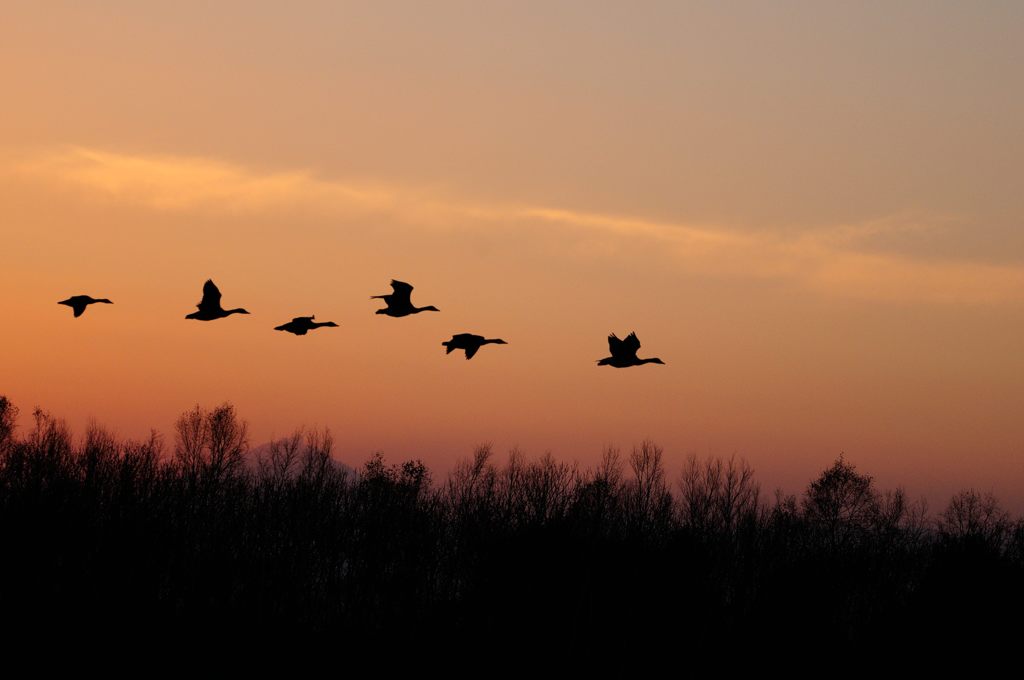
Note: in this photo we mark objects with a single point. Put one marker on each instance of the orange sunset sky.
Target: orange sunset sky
(812, 212)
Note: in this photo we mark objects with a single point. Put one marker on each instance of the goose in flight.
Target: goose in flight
(301, 325)
(469, 342)
(79, 302)
(624, 353)
(209, 306)
(400, 302)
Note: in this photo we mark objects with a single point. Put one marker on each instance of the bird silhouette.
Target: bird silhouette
(624, 353)
(469, 342)
(79, 302)
(301, 325)
(399, 302)
(209, 306)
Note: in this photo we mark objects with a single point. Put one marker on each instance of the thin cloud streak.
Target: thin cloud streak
(825, 260)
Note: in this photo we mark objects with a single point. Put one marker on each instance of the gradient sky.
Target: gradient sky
(812, 213)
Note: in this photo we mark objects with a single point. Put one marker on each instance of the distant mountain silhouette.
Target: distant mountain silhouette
(301, 325)
(209, 306)
(78, 303)
(470, 343)
(399, 303)
(624, 353)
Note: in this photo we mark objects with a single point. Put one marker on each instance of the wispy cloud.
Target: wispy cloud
(829, 260)
(189, 183)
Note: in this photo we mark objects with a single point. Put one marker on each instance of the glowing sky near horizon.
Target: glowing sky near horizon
(813, 213)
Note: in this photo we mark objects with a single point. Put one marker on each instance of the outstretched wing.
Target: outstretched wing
(631, 343)
(614, 345)
(623, 349)
(402, 293)
(471, 350)
(211, 297)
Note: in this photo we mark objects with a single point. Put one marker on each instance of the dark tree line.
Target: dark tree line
(133, 537)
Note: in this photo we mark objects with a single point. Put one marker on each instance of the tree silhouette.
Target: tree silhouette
(107, 535)
(841, 503)
(211, 445)
(8, 420)
(972, 516)
(647, 495)
(718, 495)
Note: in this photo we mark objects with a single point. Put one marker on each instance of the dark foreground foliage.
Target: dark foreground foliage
(200, 539)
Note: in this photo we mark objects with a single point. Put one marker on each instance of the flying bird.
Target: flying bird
(624, 353)
(471, 343)
(209, 306)
(79, 302)
(301, 325)
(399, 302)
